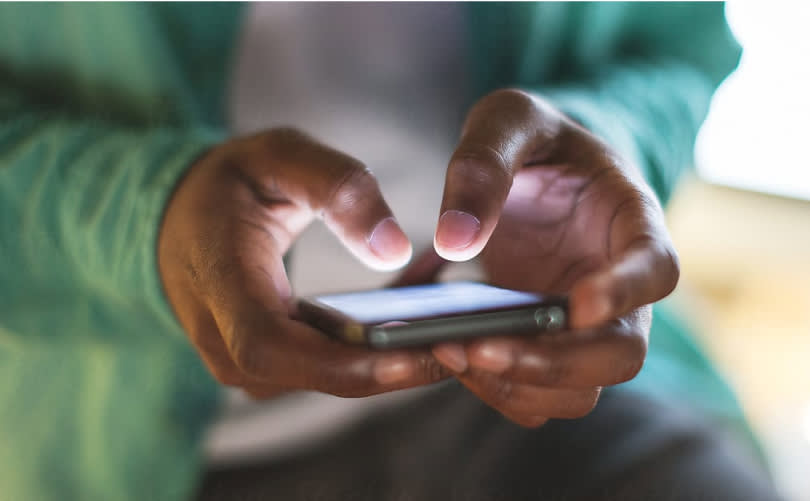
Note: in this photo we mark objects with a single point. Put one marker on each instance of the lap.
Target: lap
(449, 446)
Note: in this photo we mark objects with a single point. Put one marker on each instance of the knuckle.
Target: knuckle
(579, 405)
(259, 393)
(508, 104)
(432, 371)
(479, 176)
(621, 297)
(553, 374)
(284, 140)
(221, 268)
(508, 98)
(245, 355)
(636, 347)
(212, 262)
(629, 370)
(329, 379)
(206, 251)
(353, 184)
(502, 391)
(643, 201)
(476, 161)
(339, 380)
(640, 321)
(530, 421)
(231, 162)
(666, 260)
(673, 263)
(359, 392)
(631, 358)
(225, 375)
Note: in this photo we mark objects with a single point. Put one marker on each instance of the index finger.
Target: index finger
(501, 134)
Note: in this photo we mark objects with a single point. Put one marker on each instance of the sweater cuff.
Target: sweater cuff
(175, 155)
(600, 119)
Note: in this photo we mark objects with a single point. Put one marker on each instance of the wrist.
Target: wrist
(180, 158)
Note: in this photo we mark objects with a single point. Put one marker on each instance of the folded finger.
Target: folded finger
(571, 359)
(529, 405)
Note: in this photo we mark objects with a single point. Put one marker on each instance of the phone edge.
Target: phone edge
(537, 319)
(332, 322)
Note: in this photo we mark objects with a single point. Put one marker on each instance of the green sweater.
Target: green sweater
(103, 106)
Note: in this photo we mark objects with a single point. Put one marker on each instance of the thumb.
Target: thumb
(341, 191)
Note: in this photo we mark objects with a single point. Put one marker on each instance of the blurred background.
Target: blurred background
(742, 227)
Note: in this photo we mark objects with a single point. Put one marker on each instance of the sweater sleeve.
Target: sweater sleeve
(651, 97)
(81, 202)
(638, 74)
(102, 108)
(649, 114)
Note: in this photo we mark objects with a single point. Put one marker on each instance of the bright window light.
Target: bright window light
(806, 424)
(757, 134)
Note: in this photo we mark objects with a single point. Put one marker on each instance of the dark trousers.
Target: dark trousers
(449, 446)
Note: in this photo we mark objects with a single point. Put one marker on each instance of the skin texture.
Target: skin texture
(225, 231)
(548, 206)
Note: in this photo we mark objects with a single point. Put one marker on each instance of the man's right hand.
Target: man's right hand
(225, 230)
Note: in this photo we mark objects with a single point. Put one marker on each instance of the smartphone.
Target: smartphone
(428, 314)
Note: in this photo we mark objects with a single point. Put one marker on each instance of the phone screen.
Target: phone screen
(434, 300)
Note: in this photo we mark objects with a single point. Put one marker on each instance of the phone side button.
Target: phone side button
(378, 337)
(551, 318)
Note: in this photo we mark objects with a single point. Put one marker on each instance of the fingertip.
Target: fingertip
(390, 264)
(456, 235)
(389, 245)
(492, 355)
(457, 229)
(393, 369)
(590, 303)
(451, 355)
(455, 255)
(534, 421)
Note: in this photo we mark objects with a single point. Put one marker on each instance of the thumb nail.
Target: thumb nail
(388, 241)
(456, 229)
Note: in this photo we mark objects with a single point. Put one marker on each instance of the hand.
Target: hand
(554, 210)
(232, 218)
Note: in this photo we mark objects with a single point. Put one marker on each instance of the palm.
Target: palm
(555, 228)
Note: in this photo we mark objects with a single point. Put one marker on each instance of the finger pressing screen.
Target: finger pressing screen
(502, 132)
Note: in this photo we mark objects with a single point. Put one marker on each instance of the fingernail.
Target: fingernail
(492, 358)
(393, 370)
(457, 229)
(452, 356)
(387, 240)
